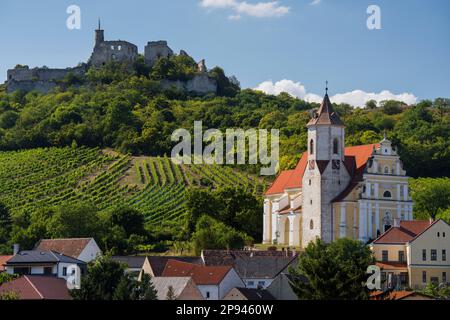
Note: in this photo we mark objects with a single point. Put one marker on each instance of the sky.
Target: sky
(274, 46)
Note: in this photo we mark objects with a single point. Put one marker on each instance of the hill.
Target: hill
(44, 177)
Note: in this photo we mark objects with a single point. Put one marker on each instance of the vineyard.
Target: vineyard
(38, 178)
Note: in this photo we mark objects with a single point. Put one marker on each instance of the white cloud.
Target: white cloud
(315, 2)
(258, 10)
(356, 98)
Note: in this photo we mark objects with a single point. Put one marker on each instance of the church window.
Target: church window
(335, 146)
(387, 194)
(310, 201)
(309, 181)
(311, 147)
(379, 169)
(311, 224)
(386, 170)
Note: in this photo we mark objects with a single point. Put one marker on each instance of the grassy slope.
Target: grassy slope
(37, 178)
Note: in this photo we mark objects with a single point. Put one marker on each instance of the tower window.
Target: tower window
(311, 224)
(309, 181)
(387, 194)
(311, 147)
(335, 146)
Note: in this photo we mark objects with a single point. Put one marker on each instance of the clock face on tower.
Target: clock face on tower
(336, 164)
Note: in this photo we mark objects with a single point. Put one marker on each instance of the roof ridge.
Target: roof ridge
(428, 227)
(34, 287)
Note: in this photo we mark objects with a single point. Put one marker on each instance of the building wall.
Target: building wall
(212, 289)
(415, 275)
(392, 250)
(155, 50)
(234, 294)
(255, 283)
(230, 281)
(90, 252)
(108, 51)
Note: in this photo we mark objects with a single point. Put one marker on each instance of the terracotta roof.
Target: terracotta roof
(389, 265)
(394, 295)
(202, 275)
(69, 247)
(326, 114)
(158, 263)
(3, 260)
(355, 162)
(251, 264)
(38, 288)
(407, 231)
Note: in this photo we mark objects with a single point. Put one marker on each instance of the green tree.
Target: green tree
(335, 271)
(430, 196)
(171, 294)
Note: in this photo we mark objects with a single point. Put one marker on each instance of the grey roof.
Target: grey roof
(39, 256)
(162, 285)
(251, 264)
(133, 262)
(256, 294)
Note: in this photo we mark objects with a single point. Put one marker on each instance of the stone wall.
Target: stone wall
(107, 51)
(201, 84)
(155, 50)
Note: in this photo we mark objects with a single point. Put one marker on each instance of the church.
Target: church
(336, 191)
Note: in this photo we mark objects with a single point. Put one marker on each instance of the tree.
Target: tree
(144, 289)
(212, 234)
(104, 277)
(371, 104)
(131, 220)
(334, 271)
(171, 294)
(430, 196)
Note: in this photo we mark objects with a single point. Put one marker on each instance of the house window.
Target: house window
(424, 255)
(22, 270)
(64, 271)
(385, 255)
(424, 277)
(433, 255)
(208, 295)
(48, 270)
(444, 255)
(311, 147)
(311, 224)
(401, 256)
(335, 146)
(261, 284)
(387, 194)
(444, 277)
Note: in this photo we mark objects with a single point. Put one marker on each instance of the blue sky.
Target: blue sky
(290, 45)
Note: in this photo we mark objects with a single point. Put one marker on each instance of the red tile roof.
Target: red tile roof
(3, 260)
(407, 231)
(393, 295)
(355, 162)
(69, 247)
(202, 275)
(38, 288)
(389, 265)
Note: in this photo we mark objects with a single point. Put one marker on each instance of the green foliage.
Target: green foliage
(437, 291)
(171, 294)
(7, 277)
(431, 197)
(9, 295)
(177, 67)
(335, 271)
(212, 234)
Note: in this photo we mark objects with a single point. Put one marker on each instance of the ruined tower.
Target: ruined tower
(99, 35)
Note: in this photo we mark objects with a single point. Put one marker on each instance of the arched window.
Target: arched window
(335, 146)
(311, 224)
(311, 147)
(387, 194)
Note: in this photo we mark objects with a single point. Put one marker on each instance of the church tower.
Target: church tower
(325, 175)
(99, 35)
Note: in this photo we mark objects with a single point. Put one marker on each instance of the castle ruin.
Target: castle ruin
(44, 79)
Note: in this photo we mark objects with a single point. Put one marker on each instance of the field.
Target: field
(37, 178)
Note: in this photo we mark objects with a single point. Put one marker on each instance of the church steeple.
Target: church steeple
(326, 114)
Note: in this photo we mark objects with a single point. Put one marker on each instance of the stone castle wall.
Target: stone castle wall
(201, 83)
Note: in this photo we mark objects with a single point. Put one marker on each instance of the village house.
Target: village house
(413, 253)
(84, 249)
(256, 268)
(46, 263)
(213, 282)
(336, 191)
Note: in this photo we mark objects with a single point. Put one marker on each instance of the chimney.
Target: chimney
(16, 248)
(396, 223)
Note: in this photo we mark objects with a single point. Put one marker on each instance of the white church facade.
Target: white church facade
(336, 191)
